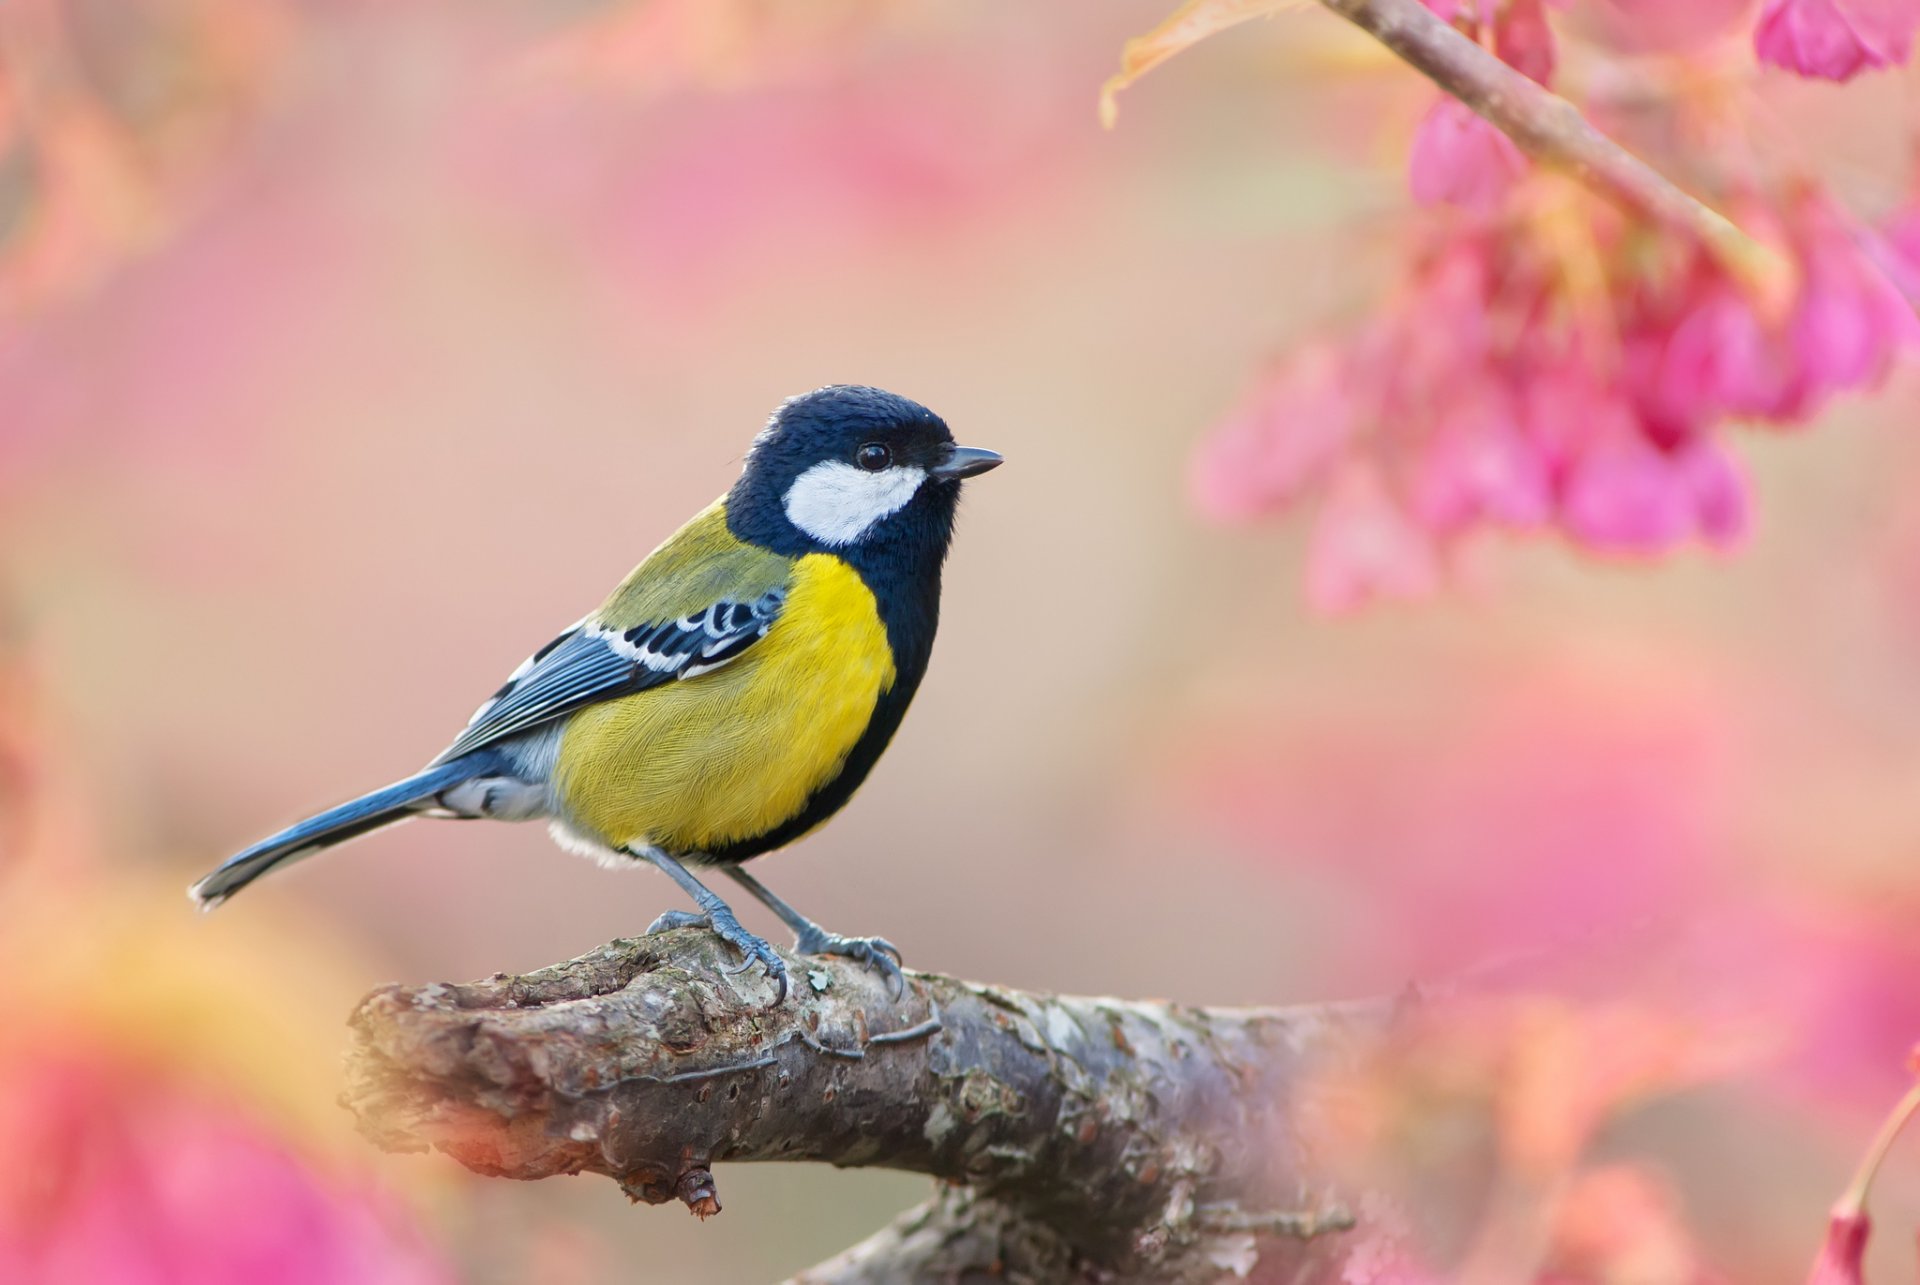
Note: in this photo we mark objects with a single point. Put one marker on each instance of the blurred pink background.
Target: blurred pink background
(347, 351)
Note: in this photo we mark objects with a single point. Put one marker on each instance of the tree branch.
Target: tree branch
(1553, 132)
(1077, 1136)
(1546, 126)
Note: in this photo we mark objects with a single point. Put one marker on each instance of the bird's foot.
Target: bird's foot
(722, 924)
(672, 919)
(876, 953)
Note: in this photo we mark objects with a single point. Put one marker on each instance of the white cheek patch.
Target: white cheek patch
(836, 503)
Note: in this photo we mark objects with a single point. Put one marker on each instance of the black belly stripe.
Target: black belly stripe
(901, 568)
(831, 797)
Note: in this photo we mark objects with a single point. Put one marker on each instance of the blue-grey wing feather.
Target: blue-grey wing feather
(591, 663)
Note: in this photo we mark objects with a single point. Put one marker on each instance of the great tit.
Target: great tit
(732, 693)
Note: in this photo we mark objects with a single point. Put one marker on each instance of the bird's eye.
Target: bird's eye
(873, 457)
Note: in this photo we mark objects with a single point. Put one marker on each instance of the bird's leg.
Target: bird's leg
(810, 938)
(716, 916)
(671, 919)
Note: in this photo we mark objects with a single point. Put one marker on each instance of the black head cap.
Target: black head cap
(845, 467)
(832, 423)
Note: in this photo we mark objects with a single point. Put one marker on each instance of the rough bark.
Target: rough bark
(1075, 1138)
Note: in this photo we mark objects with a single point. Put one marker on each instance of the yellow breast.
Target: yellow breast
(729, 755)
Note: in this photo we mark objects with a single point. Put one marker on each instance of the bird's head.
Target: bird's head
(846, 467)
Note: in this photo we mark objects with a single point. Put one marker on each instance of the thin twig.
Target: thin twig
(1553, 132)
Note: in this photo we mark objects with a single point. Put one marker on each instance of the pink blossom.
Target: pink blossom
(1460, 159)
(1365, 546)
(1710, 353)
(1839, 1262)
(1523, 39)
(1841, 1257)
(1498, 391)
(1716, 357)
(1663, 24)
(114, 1175)
(1628, 496)
(1564, 407)
(1278, 440)
(1835, 39)
(1719, 493)
(1850, 318)
(1478, 464)
(1425, 352)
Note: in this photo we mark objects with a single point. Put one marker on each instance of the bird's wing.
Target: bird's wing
(698, 601)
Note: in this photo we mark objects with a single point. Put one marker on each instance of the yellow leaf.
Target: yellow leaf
(1188, 25)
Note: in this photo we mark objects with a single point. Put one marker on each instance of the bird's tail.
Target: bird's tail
(396, 802)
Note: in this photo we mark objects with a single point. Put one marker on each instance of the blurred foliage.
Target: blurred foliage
(347, 349)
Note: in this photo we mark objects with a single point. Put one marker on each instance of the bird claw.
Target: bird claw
(875, 952)
(672, 919)
(754, 950)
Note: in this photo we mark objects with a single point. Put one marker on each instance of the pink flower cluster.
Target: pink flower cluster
(116, 1175)
(1458, 158)
(1842, 1257)
(1836, 39)
(1551, 365)
(1498, 393)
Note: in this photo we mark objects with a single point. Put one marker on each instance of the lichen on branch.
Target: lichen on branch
(1150, 1139)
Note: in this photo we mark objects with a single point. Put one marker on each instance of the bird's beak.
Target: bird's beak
(965, 461)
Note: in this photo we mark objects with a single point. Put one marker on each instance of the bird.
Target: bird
(731, 694)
